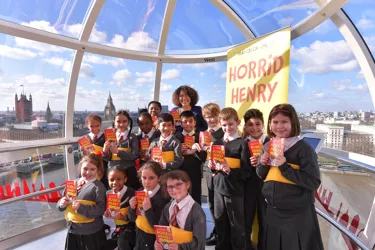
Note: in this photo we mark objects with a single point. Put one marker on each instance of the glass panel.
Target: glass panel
(362, 15)
(266, 16)
(207, 78)
(200, 25)
(59, 17)
(129, 24)
(129, 83)
(23, 216)
(34, 79)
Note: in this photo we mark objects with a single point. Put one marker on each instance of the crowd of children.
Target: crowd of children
(255, 197)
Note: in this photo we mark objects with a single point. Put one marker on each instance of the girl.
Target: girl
(85, 213)
(289, 185)
(124, 233)
(152, 205)
(127, 149)
(183, 214)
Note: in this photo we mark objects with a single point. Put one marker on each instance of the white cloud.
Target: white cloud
(43, 47)
(345, 84)
(57, 61)
(143, 80)
(115, 62)
(285, 21)
(145, 74)
(96, 82)
(223, 75)
(324, 27)
(165, 87)
(41, 25)
(360, 75)
(318, 95)
(200, 66)
(365, 24)
(202, 73)
(325, 57)
(38, 79)
(76, 29)
(138, 40)
(16, 53)
(122, 75)
(170, 74)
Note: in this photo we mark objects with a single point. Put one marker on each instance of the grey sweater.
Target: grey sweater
(96, 192)
(195, 222)
(127, 159)
(172, 145)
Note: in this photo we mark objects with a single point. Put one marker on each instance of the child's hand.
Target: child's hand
(196, 147)
(173, 246)
(146, 203)
(64, 202)
(184, 148)
(210, 165)
(225, 167)
(254, 161)
(107, 146)
(114, 149)
(142, 154)
(280, 160)
(106, 214)
(133, 202)
(75, 205)
(264, 158)
(158, 246)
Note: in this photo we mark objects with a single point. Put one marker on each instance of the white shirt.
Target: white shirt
(250, 138)
(91, 135)
(149, 133)
(214, 128)
(167, 139)
(123, 134)
(153, 192)
(191, 133)
(232, 137)
(184, 209)
(122, 191)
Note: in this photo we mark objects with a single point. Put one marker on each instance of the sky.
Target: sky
(324, 74)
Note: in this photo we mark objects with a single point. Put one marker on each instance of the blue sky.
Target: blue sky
(325, 75)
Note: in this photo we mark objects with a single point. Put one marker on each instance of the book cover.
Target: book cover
(110, 135)
(144, 145)
(205, 139)
(113, 205)
(176, 115)
(255, 147)
(275, 148)
(156, 154)
(140, 196)
(71, 190)
(163, 235)
(189, 142)
(86, 145)
(217, 156)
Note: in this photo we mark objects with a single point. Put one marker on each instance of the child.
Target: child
(124, 233)
(291, 221)
(85, 213)
(183, 214)
(154, 108)
(153, 205)
(193, 159)
(229, 184)
(148, 131)
(254, 200)
(211, 115)
(127, 149)
(94, 124)
(171, 146)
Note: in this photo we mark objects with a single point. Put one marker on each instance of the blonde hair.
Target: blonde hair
(212, 108)
(95, 160)
(228, 113)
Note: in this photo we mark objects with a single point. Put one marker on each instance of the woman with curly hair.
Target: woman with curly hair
(186, 98)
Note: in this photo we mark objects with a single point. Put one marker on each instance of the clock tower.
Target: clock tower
(109, 110)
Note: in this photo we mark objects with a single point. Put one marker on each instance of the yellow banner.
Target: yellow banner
(258, 72)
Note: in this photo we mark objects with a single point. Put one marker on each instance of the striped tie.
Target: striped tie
(173, 219)
(212, 130)
(163, 142)
(94, 138)
(80, 185)
(120, 139)
(226, 139)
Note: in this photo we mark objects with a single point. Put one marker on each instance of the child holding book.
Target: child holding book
(147, 135)
(254, 200)
(228, 183)
(84, 213)
(124, 234)
(184, 215)
(193, 156)
(152, 206)
(169, 144)
(290, 179)
(126, 149)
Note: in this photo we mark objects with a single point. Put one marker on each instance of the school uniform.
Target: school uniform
(85, 226)
(152, 135)
(229, 194)
(254, 202)
(291, 221)
(201, 124)
(124, 235)
(145, 234)
(190, 229)
(172, 155)
(192, 165)
(128, 146)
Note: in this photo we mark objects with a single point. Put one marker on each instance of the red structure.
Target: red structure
(24, 108)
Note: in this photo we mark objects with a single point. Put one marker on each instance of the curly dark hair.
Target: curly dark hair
(192, 93)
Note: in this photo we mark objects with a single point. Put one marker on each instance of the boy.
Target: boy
(211, 115)
(254, 200)
(171, 146)
(192, 162)
(228, 185)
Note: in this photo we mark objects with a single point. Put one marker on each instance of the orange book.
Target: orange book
(275, 148)
(71, 190)
(217, 156)
(156, 154)
(113, 205)
(86, 145)
(176, 115)
(110, 135)
(205, 139)
(189, 142)
(144, 145)
(255, 147)
(140, 196)
(154, 120)
(163, 235)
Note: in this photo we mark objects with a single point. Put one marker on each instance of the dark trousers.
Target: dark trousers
(95, 241)
(133, 180)
(229, 222)
(195, 175)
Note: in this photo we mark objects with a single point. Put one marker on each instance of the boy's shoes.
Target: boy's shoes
(212, 240)
(107, 229)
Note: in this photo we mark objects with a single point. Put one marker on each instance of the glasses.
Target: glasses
(176, 186)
